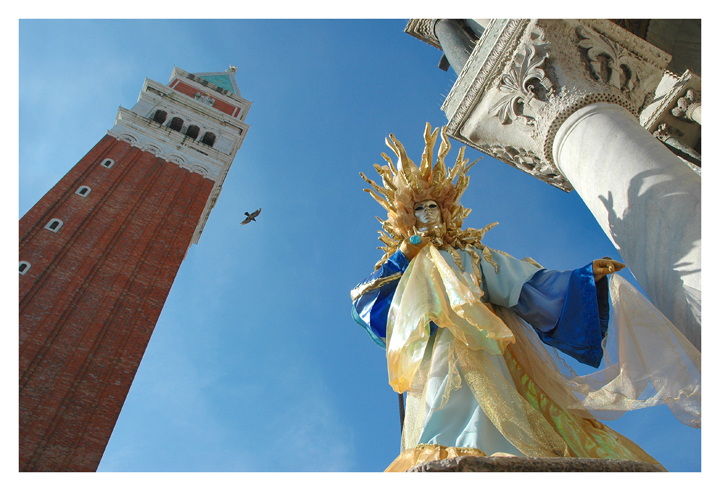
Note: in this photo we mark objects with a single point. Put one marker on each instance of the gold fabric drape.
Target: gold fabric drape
(429, 290)
(543, 407)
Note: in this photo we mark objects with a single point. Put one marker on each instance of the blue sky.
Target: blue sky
(255, 363)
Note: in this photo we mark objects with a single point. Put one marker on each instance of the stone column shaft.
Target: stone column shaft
(646, 200)
(695, 113)
(455, 42)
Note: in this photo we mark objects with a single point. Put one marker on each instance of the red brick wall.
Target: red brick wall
(219, 105)
(95, 289)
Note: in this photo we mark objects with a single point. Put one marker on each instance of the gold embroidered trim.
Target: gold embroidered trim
(361, 290)
(533, 262)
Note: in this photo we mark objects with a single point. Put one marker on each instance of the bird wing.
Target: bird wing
(256, 212)
(246, 221)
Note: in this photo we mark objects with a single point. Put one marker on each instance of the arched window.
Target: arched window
(83, 191)
(24, 267)
(107, 163)
(54, 225)
(193, 131)
(208, 139)
(160, 116)
(176, 124)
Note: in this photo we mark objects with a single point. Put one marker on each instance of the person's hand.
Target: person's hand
(411, 250)
(602, 267)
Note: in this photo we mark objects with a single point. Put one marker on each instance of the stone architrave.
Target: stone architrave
(674, 117)
(560, 100)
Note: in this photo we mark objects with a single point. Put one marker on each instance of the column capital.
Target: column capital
(525, 77)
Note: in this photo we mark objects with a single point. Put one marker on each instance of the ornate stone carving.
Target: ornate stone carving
(609, 62)
(667, 106)
(170, 146)
(467, 94)
(665, 131)
(528, 162)
(204, 98)
(423, 30)
(671, 136)
(521, 89)
(127, 137)
(686, 105)
(540, 72)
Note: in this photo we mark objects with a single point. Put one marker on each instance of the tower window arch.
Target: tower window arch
(208, 139)
(54, 225)
(193, 131)
(108, 163)
(24, 267)
(160, 116)
(176, 124)
(83, 191)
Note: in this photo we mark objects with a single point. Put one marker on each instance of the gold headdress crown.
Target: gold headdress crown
(409, 184)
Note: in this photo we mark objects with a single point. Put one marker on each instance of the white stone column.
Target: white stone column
(561, 99)
(646, 200)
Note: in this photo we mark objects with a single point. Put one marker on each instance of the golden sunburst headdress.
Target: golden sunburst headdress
(409, 184)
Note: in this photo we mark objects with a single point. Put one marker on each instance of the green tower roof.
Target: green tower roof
(222, 81)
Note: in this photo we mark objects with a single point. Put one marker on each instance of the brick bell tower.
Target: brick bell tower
(99, 253)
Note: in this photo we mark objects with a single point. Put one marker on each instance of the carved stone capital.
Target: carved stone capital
(524, 78)
(665, 131)
(677, 105)
(686, 106)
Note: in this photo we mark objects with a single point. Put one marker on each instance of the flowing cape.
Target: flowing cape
(647, 361)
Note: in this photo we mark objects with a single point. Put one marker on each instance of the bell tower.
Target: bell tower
(99, 253)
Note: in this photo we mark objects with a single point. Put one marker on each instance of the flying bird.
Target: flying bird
(250, 216)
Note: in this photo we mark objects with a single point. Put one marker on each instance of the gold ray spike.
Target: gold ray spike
(455, 212)
(387, 177)
(467, 167)
(438, 175)
(444, 146)
(389, 207)
(458, 168)
(426, 163)
(393, 172)
(461, 186)
(486, 228)
(386, 240)
(388, 193)
(405, 165)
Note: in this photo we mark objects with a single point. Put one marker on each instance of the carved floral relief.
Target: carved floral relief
(686, 105)
(609, 62)
(525, 83)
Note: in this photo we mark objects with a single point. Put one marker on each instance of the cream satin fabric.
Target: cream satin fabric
(647, 360)
(429, 290)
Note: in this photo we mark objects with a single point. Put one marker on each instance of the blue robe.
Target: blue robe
(567, 309)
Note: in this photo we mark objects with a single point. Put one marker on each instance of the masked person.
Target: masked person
(472, 334)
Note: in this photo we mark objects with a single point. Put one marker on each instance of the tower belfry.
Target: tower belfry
(99, 253)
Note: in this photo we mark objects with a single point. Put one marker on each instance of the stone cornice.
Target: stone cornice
(170, 145)
(203, 85)
(152, 87)
(499, 39)
(422, 29)
(524, 78)
(663, 108)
